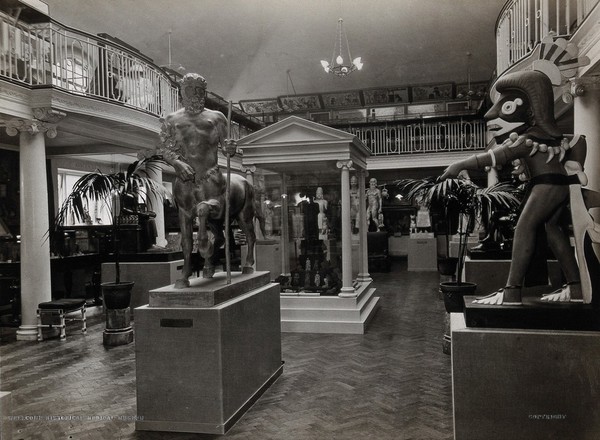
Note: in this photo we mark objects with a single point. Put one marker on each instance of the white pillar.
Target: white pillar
(36, 286)
(156, 205)
(586, 118)
(363, 274)
(347, 288)
(285, 235)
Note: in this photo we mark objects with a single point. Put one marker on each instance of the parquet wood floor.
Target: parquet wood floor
(391, 383)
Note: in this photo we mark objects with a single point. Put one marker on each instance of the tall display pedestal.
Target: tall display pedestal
(524, 384)
(206, 353)
(422, 252)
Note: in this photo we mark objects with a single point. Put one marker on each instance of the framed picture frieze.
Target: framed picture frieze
(260, 106)
(300, 102)
(432, 92)
(350, 99)
(385, 96)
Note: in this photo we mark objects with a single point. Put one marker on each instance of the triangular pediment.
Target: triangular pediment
(295, 130)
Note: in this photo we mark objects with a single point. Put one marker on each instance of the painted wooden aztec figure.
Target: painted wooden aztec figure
(526, 133)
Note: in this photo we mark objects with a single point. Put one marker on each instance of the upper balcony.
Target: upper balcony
(49, 54)
(111, 93)
(523, 24)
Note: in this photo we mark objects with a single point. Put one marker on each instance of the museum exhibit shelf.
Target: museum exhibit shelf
(524, 384)
(306, 312)
(69, 275)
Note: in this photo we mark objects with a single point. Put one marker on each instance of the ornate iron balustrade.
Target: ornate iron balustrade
(522, 24)
(423, 137)
(49, 54)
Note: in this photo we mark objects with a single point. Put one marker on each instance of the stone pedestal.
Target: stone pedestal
(422, 252)
(5, 413)
(206, 353)
(524, 384)
(268, 256)
(147, 275)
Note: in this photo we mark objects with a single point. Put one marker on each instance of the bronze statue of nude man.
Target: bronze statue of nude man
(190, 139)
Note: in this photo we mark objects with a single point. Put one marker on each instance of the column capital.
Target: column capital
(248, 168)
(45, 121)
(347, 164)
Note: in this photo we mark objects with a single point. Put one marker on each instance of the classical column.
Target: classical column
(35, 246)
(586, 117)
(347, 288)
(156, 205)
(285, 235)
(363, 274)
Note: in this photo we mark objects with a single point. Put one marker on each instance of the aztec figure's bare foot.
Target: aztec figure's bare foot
(208, 272)
(182, 283)
(569, 293)
(508, 296)
(247, 269)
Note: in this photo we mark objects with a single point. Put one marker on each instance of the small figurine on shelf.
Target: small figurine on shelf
(413, 224)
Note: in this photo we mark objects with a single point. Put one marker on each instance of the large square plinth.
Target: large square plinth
(208, 292)
(525, 384)
(198, 369)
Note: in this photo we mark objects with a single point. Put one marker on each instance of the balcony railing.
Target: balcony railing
(522, 24)
(423, 137)
(49, 54)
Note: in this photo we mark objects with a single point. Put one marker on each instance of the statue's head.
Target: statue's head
(319, 193)
(524, 105)
(373, 182)
(353, 181)
(193, 92)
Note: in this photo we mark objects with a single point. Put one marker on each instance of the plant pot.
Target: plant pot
(117, 296)
(447, 266)
(453, 295)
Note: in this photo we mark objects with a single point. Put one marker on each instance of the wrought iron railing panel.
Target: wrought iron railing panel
(522, 24)
(423, 137)
(50, 54)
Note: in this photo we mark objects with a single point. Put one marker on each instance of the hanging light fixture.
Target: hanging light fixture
(339, 65)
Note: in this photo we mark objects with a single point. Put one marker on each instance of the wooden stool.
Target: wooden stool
(60, 307)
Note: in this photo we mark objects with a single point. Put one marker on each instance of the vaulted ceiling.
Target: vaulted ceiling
(249, 49)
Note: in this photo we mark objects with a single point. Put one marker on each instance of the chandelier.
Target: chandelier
(338, 65)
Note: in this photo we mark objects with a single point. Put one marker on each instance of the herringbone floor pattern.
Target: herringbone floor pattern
(391, 383)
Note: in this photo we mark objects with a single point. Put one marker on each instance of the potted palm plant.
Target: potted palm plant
(467, 202)
(115, 190)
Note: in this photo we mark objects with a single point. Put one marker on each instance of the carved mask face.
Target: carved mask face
(511, 113)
